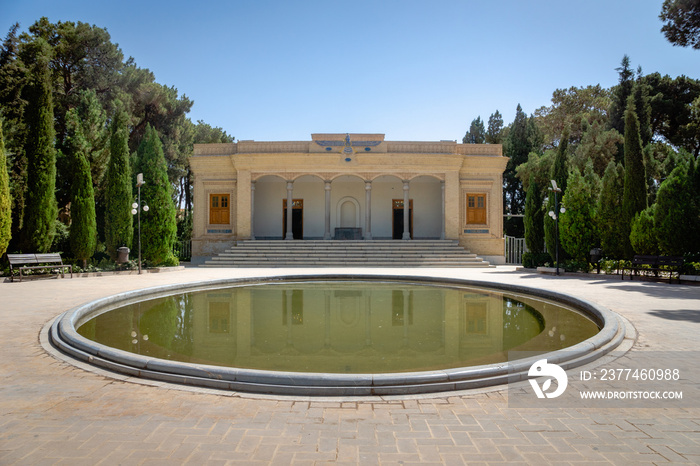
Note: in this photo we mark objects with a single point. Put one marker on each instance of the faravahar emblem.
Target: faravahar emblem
(347, 147)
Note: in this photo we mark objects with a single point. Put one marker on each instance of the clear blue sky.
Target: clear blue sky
(415, 70)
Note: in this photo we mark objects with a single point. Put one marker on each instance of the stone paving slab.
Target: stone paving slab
(52, 412)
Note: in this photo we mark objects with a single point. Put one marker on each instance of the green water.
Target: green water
(339, 327)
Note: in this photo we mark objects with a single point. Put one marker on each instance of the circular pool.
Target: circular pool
(339, 335)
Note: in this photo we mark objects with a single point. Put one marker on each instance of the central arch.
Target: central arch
(348, 213)
(346, 193)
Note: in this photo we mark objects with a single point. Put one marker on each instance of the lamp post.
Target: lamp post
(555, 215)
(136, 210)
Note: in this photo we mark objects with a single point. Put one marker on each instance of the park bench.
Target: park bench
(655, 264)
(51, 262)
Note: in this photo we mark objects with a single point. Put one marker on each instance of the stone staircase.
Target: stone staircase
(320, 253)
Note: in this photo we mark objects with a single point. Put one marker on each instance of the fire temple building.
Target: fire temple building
(348, 187)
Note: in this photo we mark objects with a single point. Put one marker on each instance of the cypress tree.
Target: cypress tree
(640, 91)
(577, 230)
(83, 230)
(609, 211)
(5, 200)
(158, 225)
(676, 216)
(559, 174)
(41, 209)
(516, 148)
(634, 197)
(119, 229)
(643, 234)
(534, 218)
(560, 169)
(620, 94)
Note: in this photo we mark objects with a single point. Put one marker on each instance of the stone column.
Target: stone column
(244, 323)
(327, 234)
(368, 210)
(290, 187)
(252, 210)
(289, 298)
(406, 211)
(442, 189)
(242, 225)
(454, 217)
(406, 311)
(327, 302)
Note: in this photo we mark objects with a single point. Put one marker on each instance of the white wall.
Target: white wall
(427, 207)
(270, 191)
(311, 190)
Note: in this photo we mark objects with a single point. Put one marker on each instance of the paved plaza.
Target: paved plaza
(52, 412)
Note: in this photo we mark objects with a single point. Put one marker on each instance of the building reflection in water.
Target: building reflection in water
(343, 327)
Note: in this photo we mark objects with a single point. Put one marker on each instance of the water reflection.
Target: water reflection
(339, 327)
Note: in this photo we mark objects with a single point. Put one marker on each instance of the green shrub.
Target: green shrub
(691, 268)
(612, 266)
(171, 261)
(533, 260)
(576, 266)
(61, 239)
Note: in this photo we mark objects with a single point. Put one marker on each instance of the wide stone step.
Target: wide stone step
(344, 263)
(319, 253)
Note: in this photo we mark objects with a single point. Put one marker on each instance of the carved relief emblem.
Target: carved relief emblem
(347, 147)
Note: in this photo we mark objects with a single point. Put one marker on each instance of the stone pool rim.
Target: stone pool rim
(64, 336)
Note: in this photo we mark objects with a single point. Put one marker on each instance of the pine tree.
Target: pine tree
(83, 229)
(158, 225)
(41, 210)
(634, 197)
(476, 133)
(495, 129)
(5, 200)
(119, 229)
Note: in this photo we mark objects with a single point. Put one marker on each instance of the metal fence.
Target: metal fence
(183, 250)
(515, 247)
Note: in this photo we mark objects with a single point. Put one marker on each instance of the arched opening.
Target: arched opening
(385, 189)
(347, 195)
(348, 213)
(310, 190)
(426, 193)
(267, 207)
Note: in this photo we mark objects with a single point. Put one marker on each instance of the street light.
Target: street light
(136, 211)
(555, 215)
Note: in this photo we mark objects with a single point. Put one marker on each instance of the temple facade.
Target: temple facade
(348, 186)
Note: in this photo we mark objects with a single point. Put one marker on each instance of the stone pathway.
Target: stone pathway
(52, 412)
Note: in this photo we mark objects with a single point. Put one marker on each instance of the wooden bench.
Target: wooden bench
(655, 264)
(50, 261)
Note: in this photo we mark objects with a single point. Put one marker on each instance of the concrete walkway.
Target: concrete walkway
(52, 412)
